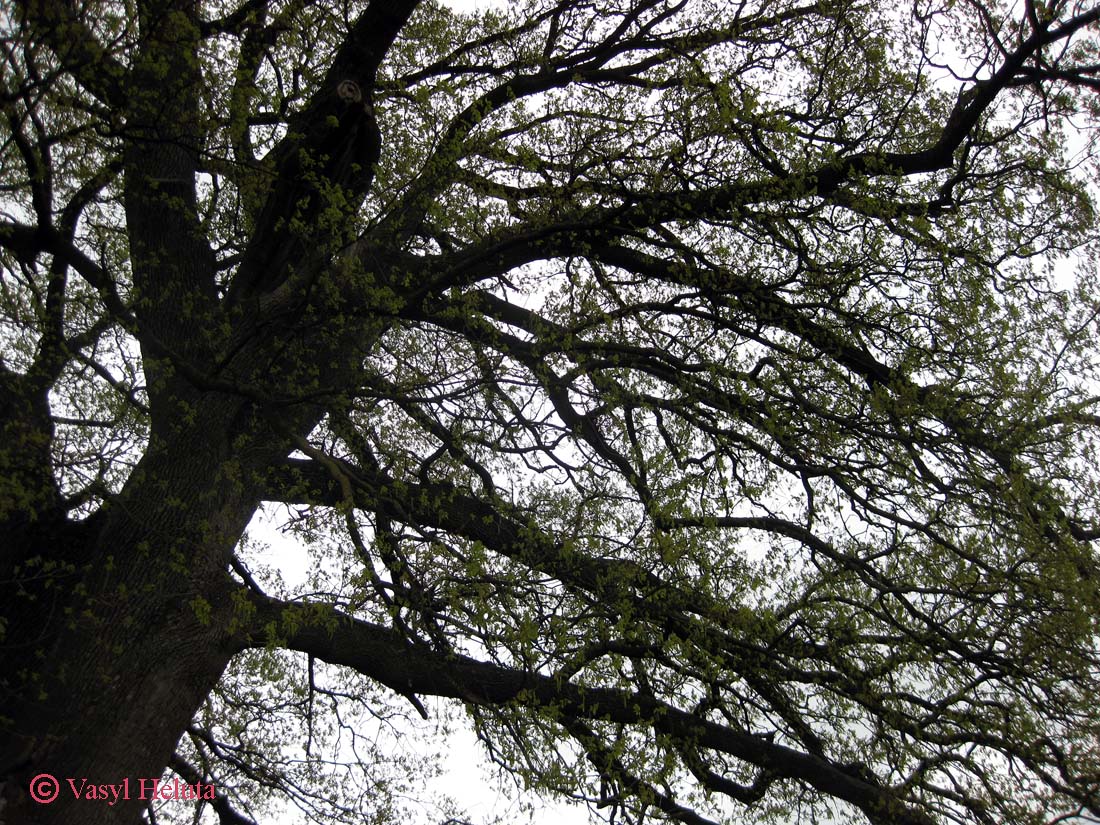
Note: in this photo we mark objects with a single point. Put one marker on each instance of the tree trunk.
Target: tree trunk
(136, 637)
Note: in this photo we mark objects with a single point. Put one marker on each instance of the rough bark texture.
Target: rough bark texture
(741, 334)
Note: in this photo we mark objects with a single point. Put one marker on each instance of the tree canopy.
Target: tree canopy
(703, 395)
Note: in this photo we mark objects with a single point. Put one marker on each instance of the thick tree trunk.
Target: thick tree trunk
(134, 635)
(117, 723)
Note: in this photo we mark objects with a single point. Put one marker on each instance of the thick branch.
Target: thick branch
(56, 23)
(331, 146)
(577, 228)
(385, 656)
(505, 530)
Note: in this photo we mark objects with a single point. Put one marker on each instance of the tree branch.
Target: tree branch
(385, 656)
(331, 146)
(56, 23)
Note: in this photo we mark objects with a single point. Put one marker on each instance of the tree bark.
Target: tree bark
(136, 636)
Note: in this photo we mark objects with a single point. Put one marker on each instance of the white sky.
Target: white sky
(466, 776)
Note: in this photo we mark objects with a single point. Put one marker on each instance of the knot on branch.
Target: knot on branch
(349, 91)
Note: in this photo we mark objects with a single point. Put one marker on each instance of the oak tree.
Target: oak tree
(696, 392)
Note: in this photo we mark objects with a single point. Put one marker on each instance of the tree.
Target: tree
(684, 387)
